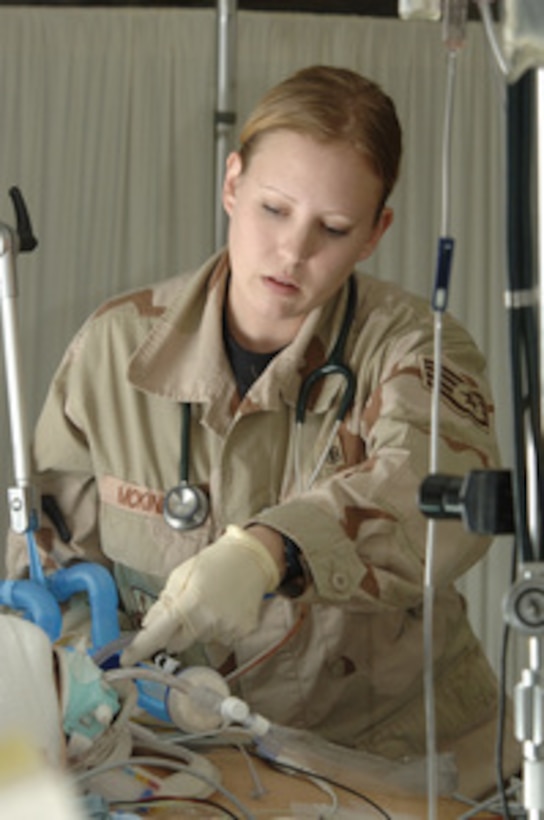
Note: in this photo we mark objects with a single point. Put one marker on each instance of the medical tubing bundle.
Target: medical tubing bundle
(165, 763)
(227, 708)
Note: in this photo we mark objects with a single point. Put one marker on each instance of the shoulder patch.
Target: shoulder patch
(459, 391)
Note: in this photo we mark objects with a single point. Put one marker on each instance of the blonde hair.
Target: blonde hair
(331, 104)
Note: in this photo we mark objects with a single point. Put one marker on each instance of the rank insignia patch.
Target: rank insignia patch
(460, 392)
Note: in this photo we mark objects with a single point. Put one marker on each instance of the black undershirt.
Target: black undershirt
(246, 365)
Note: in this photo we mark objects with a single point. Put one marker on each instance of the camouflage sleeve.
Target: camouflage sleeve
(359, 527)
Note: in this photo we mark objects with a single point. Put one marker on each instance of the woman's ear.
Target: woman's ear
(382, 224)
(232, 174)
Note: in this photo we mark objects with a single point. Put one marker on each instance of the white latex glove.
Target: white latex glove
(214, 596)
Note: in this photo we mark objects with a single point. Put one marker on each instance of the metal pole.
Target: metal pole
(224, 115)
(19, 497)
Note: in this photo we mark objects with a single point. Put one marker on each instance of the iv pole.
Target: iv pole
(224, 114)
(494, 502)
(21, 503)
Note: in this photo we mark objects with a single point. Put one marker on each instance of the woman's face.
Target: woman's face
(302, 214)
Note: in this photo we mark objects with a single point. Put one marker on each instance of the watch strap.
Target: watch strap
(295, 578)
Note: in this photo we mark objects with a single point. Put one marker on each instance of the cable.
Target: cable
(499, 750)
(164, 763)
(501, 708)
(268, 653)
(146, 802)
(258, 788)
(150, 674)
(488, 805)
(276, 764)
(190, 739)
(487, 20)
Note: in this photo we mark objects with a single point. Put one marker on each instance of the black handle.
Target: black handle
(27, 240)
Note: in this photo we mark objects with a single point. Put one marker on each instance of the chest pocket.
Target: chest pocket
(144, 541)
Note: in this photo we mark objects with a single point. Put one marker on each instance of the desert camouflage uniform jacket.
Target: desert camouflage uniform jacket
(107, 446)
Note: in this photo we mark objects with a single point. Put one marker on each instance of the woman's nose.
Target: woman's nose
(299, 243)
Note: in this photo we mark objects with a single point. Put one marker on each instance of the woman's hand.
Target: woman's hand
(214, 596)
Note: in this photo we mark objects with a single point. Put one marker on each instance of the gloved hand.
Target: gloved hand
(214, 596)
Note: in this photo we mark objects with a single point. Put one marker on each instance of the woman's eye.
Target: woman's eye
(332, 231)
(272, 209)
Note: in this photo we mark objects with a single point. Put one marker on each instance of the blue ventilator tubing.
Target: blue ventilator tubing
(39, 597)
(152, 698)
(36, 602)
(100, 588)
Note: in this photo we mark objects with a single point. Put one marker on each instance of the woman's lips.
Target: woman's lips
(283, 286)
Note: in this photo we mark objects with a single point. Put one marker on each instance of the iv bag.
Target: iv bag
(523, 36)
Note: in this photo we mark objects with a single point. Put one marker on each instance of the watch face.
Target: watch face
(185, 507)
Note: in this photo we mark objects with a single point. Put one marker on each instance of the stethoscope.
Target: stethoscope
(186, 506)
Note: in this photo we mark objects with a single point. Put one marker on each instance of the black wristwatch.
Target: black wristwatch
(294, 581)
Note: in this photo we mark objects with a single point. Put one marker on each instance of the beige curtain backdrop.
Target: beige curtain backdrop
(106, 125)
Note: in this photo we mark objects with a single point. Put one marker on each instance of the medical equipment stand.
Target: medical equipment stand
(524, 603)
(39, 596)
(495, 502)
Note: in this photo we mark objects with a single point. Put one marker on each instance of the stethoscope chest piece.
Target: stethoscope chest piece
(185, 507)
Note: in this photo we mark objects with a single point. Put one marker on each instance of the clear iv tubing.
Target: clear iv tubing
(487, 20)
(440, 295)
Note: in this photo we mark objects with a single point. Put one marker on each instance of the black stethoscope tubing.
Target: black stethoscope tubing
(186, 506)
(334, 364)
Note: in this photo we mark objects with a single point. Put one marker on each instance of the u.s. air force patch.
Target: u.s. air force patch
(459, 391)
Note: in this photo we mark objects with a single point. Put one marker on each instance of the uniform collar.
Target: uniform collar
(183, 359)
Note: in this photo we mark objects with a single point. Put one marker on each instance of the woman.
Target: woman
(312, 555)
